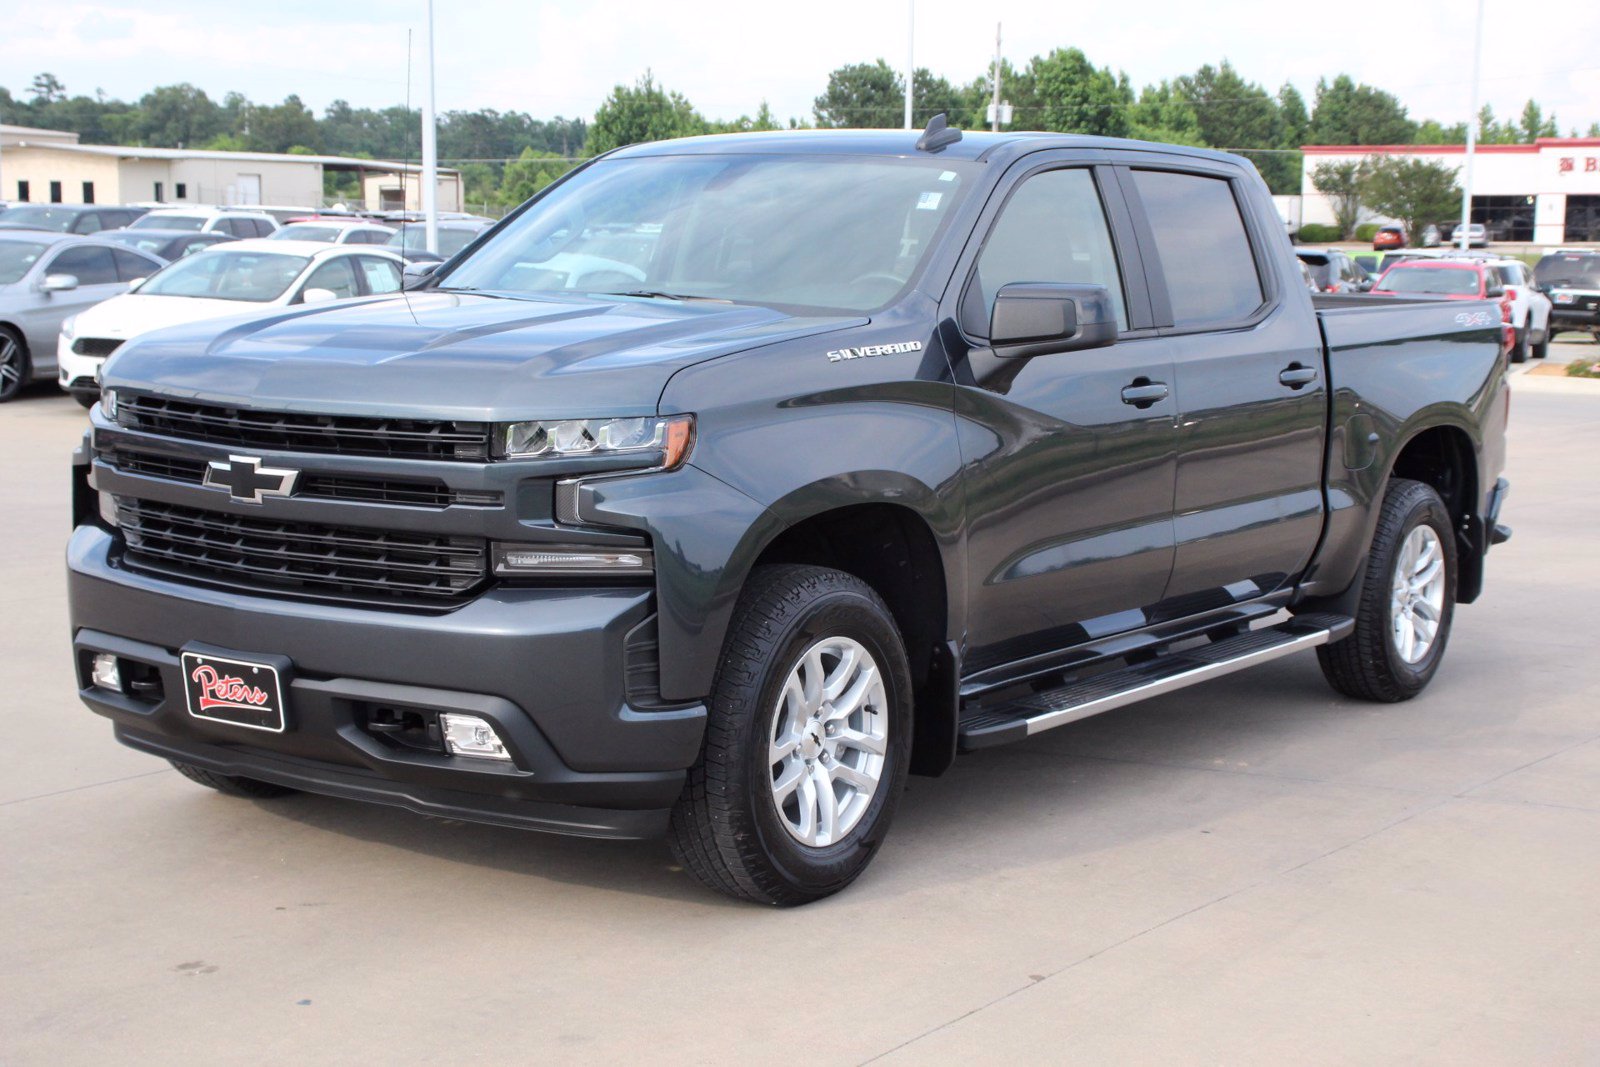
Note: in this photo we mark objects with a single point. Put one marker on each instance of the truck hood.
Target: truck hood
(464, 356)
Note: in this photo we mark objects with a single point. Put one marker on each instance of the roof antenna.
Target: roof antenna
(937, 135)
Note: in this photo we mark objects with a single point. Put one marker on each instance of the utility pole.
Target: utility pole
(430, 153)
(911, 63)
(994, 106)
(1472, 133)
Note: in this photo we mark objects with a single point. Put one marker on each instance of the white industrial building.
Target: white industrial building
(49, 166)
(1544, 193)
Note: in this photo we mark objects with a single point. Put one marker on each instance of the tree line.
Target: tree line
(506, 156)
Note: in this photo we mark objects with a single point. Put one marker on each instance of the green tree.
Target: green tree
(763, 120)
(1349, 113)
(530, 173)
(1535, 125)
(1164, 114)
(1432, 132)
(643, 112)
(1415, 191)
(1296, 122)
(1069, 95)
(47, 89)
(276, 129)
(1243, 117)
(1491, 131)
(176, 116)
(861, 96)
(1343, 184)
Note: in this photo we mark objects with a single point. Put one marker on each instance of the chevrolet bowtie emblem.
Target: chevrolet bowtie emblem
(247, 481)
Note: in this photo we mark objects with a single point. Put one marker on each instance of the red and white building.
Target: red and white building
(1544, 193)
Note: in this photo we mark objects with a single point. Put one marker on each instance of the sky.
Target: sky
(561, 57)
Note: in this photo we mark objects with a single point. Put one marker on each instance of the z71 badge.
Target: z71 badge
(840, 354)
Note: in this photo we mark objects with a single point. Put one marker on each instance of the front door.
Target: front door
(98, 280)
(1068, 486)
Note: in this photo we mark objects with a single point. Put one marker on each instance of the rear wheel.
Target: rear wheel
(1520, 348)
(1542, 349)
(231, 784)
(1407, 601)
(14, 364)
(807, 743)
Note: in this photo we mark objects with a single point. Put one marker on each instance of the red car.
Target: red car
(1389, 237)
(1453, 280)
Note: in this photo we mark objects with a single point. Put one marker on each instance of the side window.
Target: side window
(130, 266)
(336, 275)
(263, 228)
(1201, 242)
(88, 222)
(1052, 229)
(381, 275)
(90, 265)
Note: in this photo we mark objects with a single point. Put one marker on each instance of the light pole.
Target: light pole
(430, 153)
(995, 103)
(911, 64)
(1472, 133)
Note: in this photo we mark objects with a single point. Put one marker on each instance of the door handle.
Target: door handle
(1143, 392)
(1296, 377)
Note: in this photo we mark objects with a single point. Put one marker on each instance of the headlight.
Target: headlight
(569, 561)
(108, 403)
(663, 441)
(69, 326)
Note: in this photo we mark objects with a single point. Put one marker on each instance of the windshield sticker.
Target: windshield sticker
(929, 201)
(948, 176)
(838, 355)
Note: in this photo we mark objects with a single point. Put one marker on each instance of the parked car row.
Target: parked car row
(1395, 236)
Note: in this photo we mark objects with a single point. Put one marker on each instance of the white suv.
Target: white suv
(239, 222)
(1530, 309)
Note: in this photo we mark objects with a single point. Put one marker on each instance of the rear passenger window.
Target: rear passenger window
(130, 266)
(1053, 229)
(381, 275)
(263, 227)
(90, 264)
(1200, 239)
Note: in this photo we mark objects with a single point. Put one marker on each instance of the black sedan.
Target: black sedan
(168, 244)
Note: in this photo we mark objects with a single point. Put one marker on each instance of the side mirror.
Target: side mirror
(1040, 318)
(58, 283)
(413, 274)
(318, 296)
(133, 286)
(1494, 291)
(1365, 285)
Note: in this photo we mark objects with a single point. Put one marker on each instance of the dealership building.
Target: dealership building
(51, 167)
(1544, 193)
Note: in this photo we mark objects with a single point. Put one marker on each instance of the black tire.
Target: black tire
(1519, 348)
(86, 400)
(15, 366)
(1366, 665)
(1542, 349)
(231, 784)
(726, 828)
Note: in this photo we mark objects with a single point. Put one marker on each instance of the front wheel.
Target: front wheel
(807, 743)
(1407, 602)
(231, 784)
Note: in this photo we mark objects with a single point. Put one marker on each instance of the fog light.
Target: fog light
(468, 735)
(108, 509)
(105, 674)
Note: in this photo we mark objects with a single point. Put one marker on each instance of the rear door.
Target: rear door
(1250, 387)
(1068, 480)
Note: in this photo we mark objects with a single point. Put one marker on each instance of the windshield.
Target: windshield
(256, 277)
(144, 243)
(412, 237)
(1446, 281)
(1321, 270)
(841, 233)
(192, 223)
(307, 231)
(1579, 272)
(41, 218)
(16, 257)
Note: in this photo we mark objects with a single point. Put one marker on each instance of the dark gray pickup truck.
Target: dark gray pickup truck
(731, 480)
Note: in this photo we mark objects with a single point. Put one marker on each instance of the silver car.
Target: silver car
(45, 277)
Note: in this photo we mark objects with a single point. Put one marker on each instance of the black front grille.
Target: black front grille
(347, 435)
(309, 559)
(417, 493)
(96, 346)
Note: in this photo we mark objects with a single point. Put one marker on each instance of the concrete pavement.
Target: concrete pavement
(1252, 871)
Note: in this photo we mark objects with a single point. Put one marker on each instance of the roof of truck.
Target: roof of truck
(976, 145)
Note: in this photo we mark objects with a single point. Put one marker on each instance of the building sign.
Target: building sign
(1573, 164)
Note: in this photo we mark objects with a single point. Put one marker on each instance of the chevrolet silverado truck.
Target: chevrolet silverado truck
(731, 480)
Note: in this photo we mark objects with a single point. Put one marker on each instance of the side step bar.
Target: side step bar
(983, 726)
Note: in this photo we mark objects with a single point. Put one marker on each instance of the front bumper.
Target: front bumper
(546, 666)
(78, 375)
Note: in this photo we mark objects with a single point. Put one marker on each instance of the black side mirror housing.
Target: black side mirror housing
(413, 274)
(1494, 291)
(1040, 318)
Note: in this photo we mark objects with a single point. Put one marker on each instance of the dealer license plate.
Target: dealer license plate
(239, 692)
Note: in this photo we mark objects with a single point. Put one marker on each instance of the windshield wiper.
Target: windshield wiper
(657, 294)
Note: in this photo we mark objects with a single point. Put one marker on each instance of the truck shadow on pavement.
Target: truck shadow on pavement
(1229, 752)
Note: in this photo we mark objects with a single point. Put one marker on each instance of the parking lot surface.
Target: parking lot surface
(1251, 871)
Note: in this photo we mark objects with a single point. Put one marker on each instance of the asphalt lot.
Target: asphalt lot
(1252, 871)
